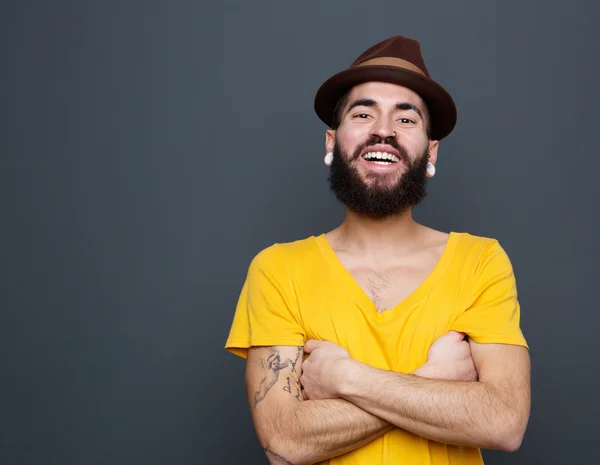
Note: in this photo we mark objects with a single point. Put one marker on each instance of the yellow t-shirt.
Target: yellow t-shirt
(300, 290)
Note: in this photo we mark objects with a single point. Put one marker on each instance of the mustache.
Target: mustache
(374, 139)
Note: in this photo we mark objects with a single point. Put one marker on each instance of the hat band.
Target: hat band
(391, 61)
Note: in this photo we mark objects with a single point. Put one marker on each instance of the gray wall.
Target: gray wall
(151, 149)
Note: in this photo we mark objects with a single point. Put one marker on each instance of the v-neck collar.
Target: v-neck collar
(352, 285)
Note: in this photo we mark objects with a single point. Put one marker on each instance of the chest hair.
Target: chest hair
(386, 288)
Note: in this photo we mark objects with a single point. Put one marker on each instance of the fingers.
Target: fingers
(311, 345)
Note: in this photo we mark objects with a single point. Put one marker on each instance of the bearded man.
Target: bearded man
(383, 341)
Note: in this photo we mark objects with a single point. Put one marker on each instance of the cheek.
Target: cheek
(350, 138)
(416, 144)
(415, 137)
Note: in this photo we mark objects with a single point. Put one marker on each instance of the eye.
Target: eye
(406, 121)
(362, 115)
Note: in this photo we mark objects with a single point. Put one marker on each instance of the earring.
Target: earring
(430, 169)
(329, 158)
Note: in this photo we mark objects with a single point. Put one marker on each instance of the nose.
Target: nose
(383, 129)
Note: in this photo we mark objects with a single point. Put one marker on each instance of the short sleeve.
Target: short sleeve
(266, 313)
(493, 315)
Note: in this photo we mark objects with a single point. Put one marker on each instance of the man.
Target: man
(413, 349)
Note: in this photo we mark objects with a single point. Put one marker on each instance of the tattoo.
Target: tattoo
(300, 350)
(271, 369)
(288, 388)
(269, 451)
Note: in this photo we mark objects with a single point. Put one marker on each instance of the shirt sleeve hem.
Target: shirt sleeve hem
(499, 340)
(240, 347)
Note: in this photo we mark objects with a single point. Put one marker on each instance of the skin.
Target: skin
(271, 368)
(491, 413)
(383, 119)
(294, 430)
(365, 240)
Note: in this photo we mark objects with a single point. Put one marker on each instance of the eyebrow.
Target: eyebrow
(409, 106)
(367, 102)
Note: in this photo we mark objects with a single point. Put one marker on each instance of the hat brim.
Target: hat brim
(441, 107)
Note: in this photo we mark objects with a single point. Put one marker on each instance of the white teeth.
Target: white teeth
(381, 156)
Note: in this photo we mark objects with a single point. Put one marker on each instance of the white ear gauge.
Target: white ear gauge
(329, 158)
(430, 169)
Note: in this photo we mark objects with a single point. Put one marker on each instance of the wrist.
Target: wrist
(347, 374)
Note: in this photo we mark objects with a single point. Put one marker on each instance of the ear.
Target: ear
(329, 140)
(433, 150)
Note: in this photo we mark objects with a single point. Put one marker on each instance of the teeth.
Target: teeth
(381, 156)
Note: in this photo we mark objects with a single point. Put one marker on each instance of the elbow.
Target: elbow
(511, 443)
(285, 452)
(277, 451)
(282, 453)
(281, 450)
(510, 434)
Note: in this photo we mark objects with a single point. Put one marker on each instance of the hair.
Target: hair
(343, 101)
(339, 109)
(377, 199)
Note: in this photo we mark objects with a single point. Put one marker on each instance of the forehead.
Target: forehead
(384, 92)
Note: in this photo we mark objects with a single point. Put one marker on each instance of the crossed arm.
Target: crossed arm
(350, 404)
(490, 413)
(327, 427)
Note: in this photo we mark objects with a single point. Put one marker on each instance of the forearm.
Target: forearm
(329, 427)
(455, 412)
(314, 430)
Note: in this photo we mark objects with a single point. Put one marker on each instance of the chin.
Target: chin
(381, 183)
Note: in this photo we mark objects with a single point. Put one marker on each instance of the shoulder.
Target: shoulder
(477, 245)
(481, 252)
(281, 255)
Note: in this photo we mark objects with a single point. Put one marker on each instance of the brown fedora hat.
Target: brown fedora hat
(397, 60)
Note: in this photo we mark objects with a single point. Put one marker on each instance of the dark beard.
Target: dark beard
(376, 200)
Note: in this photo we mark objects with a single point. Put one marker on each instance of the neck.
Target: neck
(366, 234)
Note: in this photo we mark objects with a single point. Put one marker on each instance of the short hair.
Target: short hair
(343, 101)
(338, 110)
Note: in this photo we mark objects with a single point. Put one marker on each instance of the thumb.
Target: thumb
(311, 345)
(459, 335)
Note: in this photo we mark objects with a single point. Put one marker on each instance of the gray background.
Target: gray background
(151, 149)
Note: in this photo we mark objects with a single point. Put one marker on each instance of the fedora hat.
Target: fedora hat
(396, 60)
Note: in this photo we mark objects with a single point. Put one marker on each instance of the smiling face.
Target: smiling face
(381, 149)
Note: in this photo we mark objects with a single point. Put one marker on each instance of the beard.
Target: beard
(378, 199)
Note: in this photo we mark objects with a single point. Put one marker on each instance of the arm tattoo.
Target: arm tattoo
(288, 387)
(286, 461)
(271, 368)
(298, 353)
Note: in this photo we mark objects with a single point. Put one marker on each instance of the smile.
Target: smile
(381, 158)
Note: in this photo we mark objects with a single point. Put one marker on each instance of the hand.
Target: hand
(322, 369)
(449, 358)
